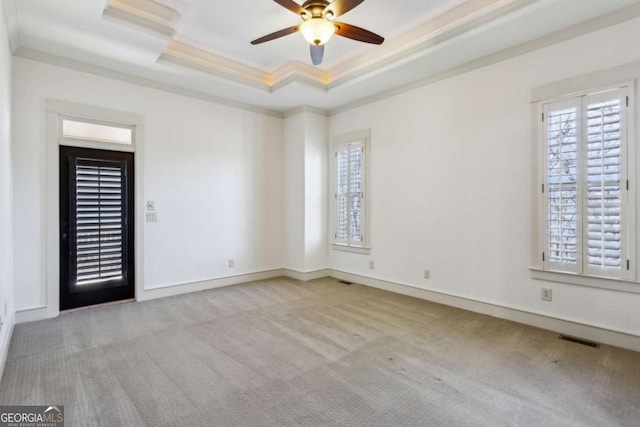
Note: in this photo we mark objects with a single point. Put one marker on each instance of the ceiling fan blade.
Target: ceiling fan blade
(357, 33)
(317, 52)
(292, 6)
(340, 7)
(276, 35)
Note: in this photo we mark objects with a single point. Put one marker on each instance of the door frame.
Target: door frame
(49, 300)
(96, 294)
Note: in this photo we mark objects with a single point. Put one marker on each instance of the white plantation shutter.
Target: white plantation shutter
(605, 137)
(349, 194)
(584, 185)
(562, 186)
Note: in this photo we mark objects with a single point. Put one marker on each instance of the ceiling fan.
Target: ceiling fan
(318, 25)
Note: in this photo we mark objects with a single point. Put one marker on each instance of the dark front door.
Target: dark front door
(96, 226)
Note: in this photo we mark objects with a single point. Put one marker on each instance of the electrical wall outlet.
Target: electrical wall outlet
(371, 265)
(152, 217)
(427, 274)
(547, 294)
(231, 263)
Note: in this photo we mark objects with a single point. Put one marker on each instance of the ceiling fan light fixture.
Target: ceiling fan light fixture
(317, 31)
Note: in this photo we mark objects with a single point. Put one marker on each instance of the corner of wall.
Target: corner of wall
(7, 314)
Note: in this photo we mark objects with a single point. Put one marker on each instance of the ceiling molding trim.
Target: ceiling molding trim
(194, 58)
(182, 54)
(613, 18)
(305, 109)
(10, 11)
(296, 71)
(58, 61)
(416, 43)
(146, 15)
(420, 41)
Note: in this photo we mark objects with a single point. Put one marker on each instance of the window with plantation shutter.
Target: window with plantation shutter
(585, 185)
(349, 197)
(98, 249)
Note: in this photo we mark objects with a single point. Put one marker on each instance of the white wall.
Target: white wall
(6, 194)
(305, 187)
(214, 172)
(316, 184)
(294, 188)
(450, 183)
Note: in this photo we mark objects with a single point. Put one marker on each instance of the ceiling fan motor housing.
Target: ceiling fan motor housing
(315, 8)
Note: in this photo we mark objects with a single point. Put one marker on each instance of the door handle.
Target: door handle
(64, 236)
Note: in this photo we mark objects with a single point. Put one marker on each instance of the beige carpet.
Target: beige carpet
(283, 352)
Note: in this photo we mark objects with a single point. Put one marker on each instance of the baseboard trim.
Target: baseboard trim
(564, 326)
(184, 288)
(305, 276)
(41, 313)
(32, 315)
(5, 340)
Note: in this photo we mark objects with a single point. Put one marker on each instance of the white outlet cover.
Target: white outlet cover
(152, 217)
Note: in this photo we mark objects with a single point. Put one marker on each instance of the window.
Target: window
(95, 131)
(585, 218)
(350, 191)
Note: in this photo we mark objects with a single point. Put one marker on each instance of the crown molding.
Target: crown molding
(319, 79)
(84, 67)
(149, 15)
(306, 109)
(191, 57)
(296, 71)
(577, 30)
(421, 40)
(182, 54)
(10, 11)
(146, 15)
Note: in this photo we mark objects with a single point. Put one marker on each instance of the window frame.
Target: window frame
(74, 140)
(340, 142)
(583, 274)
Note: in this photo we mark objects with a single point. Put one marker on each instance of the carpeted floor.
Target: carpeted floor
(283, 352)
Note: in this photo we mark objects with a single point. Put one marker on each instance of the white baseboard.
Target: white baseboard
(32, 315)
(568, 327)
(185, 288)
(305, 276)
(5, 340)
(41, 313)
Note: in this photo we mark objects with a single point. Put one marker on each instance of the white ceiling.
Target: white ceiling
(201, 47)
(228, 27)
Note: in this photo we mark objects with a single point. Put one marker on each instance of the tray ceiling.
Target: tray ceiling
(201, 47)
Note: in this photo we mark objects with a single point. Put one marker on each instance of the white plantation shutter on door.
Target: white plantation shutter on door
(98, 250)
(349, 194)
(584, 185)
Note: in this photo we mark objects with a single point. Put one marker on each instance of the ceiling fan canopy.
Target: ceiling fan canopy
(318, 25)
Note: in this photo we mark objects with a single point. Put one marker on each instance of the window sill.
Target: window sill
(590, 281)
(354, 249)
